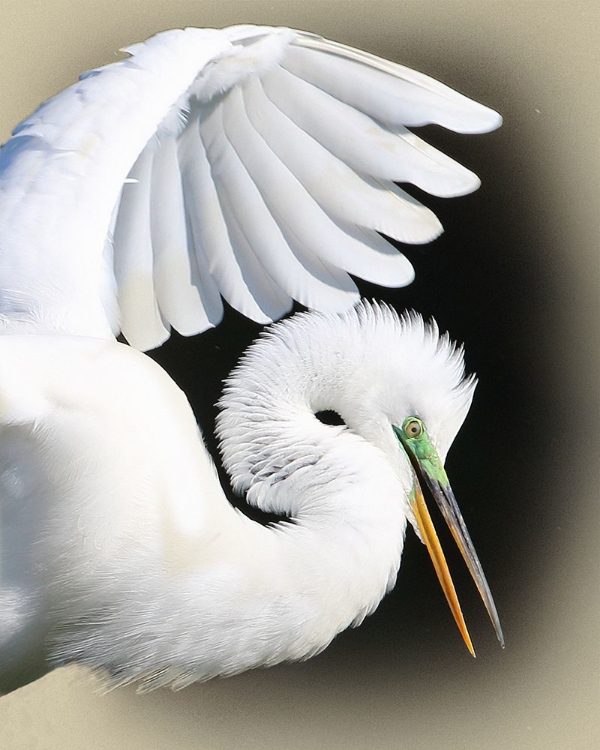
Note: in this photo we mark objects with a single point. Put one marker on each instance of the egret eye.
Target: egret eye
(413, 428)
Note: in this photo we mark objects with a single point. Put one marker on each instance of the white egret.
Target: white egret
(259, 165)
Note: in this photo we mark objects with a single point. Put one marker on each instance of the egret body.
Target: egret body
(133, 201)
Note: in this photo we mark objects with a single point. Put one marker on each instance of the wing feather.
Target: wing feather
(262, 166)
(364, 144)
(239, 276)
(389, 92)
(134, 267)
(279, 190)
(177, 282)
(287, 178)
(308, 225)
(253, 218)
(342, 192)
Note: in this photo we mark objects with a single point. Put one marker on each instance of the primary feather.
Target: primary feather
(253, 164)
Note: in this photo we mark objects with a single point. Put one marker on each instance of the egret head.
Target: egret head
(396, 383)
(417, 404)
(401, 385)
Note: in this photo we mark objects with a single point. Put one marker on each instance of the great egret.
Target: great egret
(257, 164)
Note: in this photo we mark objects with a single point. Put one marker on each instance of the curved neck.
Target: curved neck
(332, 563)
(238, 595)
(207, 591)
(283, 592)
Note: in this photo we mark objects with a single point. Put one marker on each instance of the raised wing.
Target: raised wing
(252, 164)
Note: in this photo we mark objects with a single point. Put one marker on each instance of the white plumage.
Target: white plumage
(135, 562)
(256, 165)
(261, 165)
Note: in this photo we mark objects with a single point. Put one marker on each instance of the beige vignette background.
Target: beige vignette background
(538, 62)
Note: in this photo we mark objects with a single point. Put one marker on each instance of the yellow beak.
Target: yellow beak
(430, 538)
